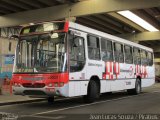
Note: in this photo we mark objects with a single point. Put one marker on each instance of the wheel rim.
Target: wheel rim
(138, 87)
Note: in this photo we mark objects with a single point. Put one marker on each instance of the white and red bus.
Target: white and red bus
(68, 59)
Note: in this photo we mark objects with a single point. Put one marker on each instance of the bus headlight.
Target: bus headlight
(17, 84)
(50, 85)
(61, 84)
(56, 84)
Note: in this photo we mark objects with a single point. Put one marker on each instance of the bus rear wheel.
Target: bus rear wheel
(92, 93)
(137, 90)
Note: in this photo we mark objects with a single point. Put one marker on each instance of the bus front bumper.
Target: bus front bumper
(44, 92)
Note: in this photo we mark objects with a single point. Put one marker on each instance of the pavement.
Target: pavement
(6, 98)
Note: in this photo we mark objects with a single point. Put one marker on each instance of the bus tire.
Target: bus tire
(92, 93)
(50, 100)
(137, 90)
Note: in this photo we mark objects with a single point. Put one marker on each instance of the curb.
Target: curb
(20, 102)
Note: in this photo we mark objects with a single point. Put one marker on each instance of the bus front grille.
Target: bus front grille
(34, 92)
(35, 85)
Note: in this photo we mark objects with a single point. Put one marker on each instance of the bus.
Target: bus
(62, 58)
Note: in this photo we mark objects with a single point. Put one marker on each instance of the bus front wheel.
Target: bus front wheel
(92, 93)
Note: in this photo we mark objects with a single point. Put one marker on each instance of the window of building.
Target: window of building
(106, 50)
(93, 47)
(128, 54)
(118, 52)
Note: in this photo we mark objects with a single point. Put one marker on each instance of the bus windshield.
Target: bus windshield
(41, 53)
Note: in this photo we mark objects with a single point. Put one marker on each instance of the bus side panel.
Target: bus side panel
(130, 84)
(117, 85)
(147, 82)
(128, 75)
(78, 82)
(105, 86)
(123, 76)
(71, 89)
(77, 88)
(95, 68)
(148, 79)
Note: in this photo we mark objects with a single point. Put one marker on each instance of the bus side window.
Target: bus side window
(93, 47)
(150, 58)
(118, 53)
(137, 56)
(128, 54)
(106, 50)
(144, 57)
(77, 53)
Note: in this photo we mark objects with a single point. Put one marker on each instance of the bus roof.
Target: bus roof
(105, 35)
(46, 27)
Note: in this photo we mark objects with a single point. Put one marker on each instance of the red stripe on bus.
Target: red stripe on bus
(111, 67)
(41, 78)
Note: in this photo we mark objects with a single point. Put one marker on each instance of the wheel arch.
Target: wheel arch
(97, 80)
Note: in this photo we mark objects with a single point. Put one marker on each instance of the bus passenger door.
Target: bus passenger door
(77, 60)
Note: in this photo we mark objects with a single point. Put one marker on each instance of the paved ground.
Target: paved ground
(107, 107)
(7, 99)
